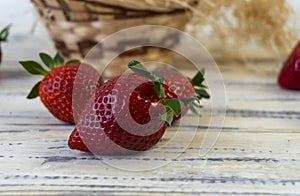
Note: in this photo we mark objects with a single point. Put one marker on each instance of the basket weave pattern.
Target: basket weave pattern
(77, 25)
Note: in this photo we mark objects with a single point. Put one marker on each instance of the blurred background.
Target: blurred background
(22, 14)
(28, 28)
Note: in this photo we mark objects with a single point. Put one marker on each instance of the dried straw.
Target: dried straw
(236, 22)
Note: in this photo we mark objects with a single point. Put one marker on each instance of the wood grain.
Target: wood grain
(257, 153)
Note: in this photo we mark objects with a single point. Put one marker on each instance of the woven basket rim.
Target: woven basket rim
(104, 5)
(120, 7)
(108, 13)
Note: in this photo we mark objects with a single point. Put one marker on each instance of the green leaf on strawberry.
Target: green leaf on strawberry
(4, 33)
(58, 60)
(158, 77)
(33, 67)
(34, 91)
(187, 101)
(201, 93)
(137, 67)
(200, 90)
(175, 104)
(198, 78)
(47, 60)
(72, 61)
(159, 89)
(168, 115)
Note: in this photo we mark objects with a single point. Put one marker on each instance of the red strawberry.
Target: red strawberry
(130, 113)
(178, 83)
(183, 87)
(75, 142)
(290, 74)
(55, 90)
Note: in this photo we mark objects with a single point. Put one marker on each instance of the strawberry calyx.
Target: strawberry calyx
(4, 33)
(35, 68)
(173, 106)
(199, 89)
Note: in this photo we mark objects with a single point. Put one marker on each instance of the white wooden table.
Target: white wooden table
(258, 151)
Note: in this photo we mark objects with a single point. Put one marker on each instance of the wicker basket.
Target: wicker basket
(150, 5)
(77, 25)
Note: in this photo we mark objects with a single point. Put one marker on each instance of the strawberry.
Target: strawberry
(3, 38)
(289, 76)
(56, 88)
(75, 141)
(129, 113)
(185, 88)
(177, 83)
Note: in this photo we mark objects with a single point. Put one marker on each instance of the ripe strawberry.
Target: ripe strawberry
(55, 90)
(75, 141)
(178, 83)
(290, 74)
(185, 88)
(129, 113)
(3, 38)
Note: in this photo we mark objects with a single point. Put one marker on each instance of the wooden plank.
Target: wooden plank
(257, 152)
(234, 161)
